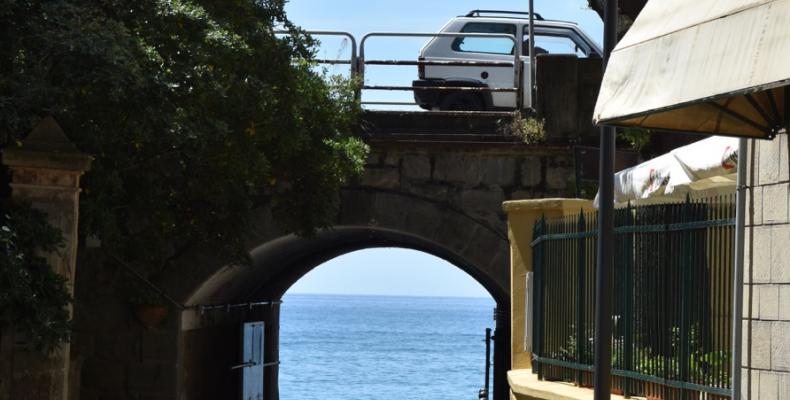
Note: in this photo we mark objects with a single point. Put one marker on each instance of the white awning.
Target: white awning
(713, 66)
(707, 166)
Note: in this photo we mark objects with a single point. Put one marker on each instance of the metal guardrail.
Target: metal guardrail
(358, 62)
(352, 61)
(672, 307)
(516, 64)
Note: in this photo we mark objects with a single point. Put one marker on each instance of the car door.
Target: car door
(551, 40)
(485, 49)
(557, 40)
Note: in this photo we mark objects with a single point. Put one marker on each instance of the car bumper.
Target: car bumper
(427, 99)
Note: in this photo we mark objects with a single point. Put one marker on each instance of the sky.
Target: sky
(359, 17)
(399, 271)
(389, 272)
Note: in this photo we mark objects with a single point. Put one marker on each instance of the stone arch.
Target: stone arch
(368, 219)
(414, 191)
(277, 264)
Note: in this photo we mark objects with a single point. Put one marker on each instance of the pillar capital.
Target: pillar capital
(47, 147)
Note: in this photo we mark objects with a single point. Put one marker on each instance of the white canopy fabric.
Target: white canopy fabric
(705, 166)
(713, 66)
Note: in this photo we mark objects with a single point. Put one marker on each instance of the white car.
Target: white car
(551, 37)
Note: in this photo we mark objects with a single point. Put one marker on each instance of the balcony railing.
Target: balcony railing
(673, 299)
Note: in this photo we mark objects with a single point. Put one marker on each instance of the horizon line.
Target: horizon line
(487, 296)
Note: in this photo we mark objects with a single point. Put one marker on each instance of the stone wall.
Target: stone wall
(447, 193)
(766, 328)
(472, 176)
(567, 88)
(120, 359)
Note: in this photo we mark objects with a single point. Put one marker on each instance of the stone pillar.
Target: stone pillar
(522, 215)
(271, 352)
(766, 303)
(46, 172)
(501, 352)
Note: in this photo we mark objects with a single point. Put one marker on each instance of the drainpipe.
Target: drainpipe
(737, 281)
(605, 261)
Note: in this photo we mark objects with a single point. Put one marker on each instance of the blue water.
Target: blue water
(381, 347)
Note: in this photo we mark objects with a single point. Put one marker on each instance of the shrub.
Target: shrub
(33, 297)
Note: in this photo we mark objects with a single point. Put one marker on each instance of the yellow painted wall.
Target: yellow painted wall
(522, 215)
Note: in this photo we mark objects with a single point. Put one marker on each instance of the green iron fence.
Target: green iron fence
(672, 301)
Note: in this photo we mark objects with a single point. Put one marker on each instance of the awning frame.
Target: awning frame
(774, 126)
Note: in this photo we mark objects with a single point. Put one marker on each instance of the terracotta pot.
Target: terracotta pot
(150, 316)
(557, 373)
(587, 379)
(617, 385)
(655, 391)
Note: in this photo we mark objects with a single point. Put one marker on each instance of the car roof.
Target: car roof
(517, 19)
(538, 22)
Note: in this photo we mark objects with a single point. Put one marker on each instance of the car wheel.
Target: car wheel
(462, 102)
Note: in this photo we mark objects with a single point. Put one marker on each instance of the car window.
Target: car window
(485, 45)
(559, 42)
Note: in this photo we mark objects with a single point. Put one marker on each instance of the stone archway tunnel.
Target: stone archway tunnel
(440, 198)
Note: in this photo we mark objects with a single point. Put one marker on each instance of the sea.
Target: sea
(344, 347)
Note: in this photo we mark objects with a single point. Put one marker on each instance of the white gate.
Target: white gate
(252, 361)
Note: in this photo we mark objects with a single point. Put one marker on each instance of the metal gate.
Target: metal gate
(252, 361)
(673, 300)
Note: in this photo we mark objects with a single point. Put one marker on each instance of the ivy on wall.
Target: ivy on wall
(33, 297)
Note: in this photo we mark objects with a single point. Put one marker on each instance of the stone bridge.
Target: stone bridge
(442, 197)
(434, 185)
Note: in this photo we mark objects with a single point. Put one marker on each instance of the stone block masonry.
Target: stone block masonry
(45, 172)
(443, 197)
(766, 328)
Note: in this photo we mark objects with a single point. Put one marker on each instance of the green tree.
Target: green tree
(33, 298)
(194, 110)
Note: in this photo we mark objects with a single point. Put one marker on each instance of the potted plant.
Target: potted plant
(148, 306)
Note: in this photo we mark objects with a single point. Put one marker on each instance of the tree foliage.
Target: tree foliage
(194, 111)
(33, 298)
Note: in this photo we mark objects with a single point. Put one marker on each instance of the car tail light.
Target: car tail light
(421, 68)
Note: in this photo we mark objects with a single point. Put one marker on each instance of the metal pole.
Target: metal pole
(603, 274)
(737, 281)
(532, 75)
(488, 361)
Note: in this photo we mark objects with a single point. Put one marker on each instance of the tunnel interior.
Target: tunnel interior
(210, 340)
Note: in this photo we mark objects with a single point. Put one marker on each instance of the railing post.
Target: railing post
(628, 311)
(355, 75)
(581, 263)
(686, 265)
(537, 293)
(518, 71)
(488, 365)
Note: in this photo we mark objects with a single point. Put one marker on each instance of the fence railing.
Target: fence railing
(357, 64)
(672, 311)
(516, 64)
